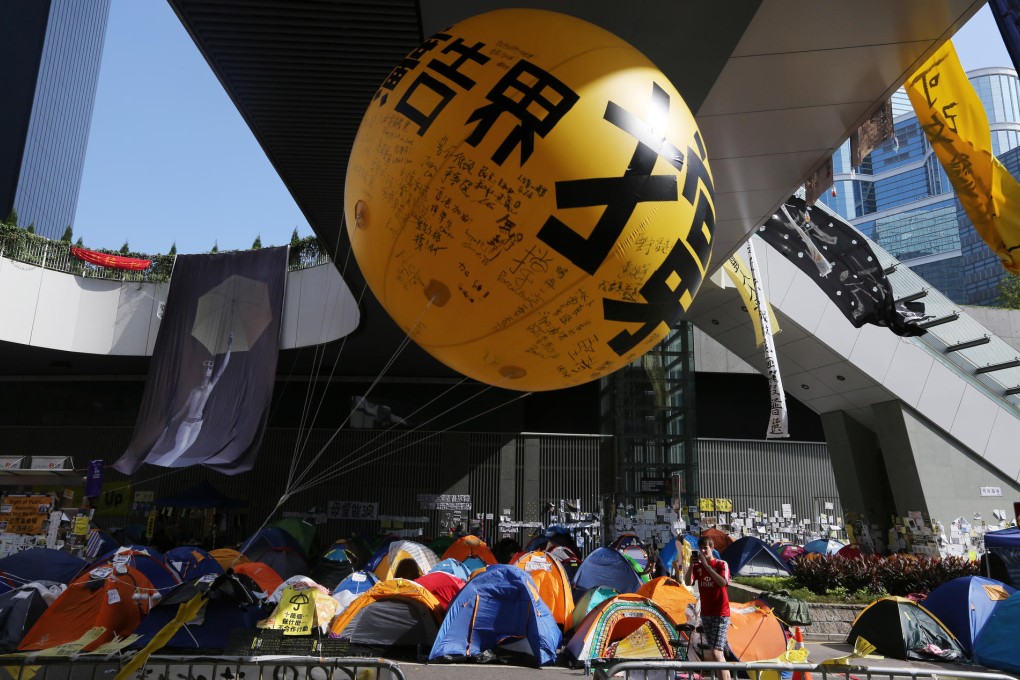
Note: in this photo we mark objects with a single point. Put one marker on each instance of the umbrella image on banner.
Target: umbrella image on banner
(240, 306)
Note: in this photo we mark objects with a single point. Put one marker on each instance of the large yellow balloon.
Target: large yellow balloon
(530, 199)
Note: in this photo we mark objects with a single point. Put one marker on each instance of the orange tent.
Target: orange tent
(671, 596)
(720, 539)
(755, 633)
(264, 576)
(396, 587)
(552, 583)
(102, 598)
(228, 557)
(470, 546)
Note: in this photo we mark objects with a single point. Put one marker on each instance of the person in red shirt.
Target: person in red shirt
(712, 576)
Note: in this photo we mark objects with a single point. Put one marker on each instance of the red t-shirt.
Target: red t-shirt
(715, 601)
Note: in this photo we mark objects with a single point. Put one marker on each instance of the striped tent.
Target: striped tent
(626, 626)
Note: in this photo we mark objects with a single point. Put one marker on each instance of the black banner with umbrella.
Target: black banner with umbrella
(213, 367)
(838, 258)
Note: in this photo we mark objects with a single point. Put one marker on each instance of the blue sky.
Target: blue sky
(171, 161)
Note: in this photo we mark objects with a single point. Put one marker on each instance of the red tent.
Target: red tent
(444, 586)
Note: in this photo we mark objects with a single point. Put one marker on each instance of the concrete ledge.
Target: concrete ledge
(829, 622)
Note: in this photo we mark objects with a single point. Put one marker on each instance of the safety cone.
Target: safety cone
(798, 643)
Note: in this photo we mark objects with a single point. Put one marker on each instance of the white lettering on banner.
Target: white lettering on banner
(353, 510)
(778, 421)
(429, 501)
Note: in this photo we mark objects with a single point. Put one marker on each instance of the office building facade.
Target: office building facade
(50, 53)
(901, 197)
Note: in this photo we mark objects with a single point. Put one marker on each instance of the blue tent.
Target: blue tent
(824, 546)
(189, 562)
(751, 556)
(278, 549)
(145, 560)
(606, 567)
(667, 554)
(357, 583)
(37, 564)
(1005, 544)
(233, 604)
(380, 552)
(499, 609)
(996, 645)
(453, 568)
(964, 604)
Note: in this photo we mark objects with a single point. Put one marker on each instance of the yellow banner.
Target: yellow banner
(741, 278)
(115, 500)
(956, 125)
(295, 615)
(724, 505)
(706, 504)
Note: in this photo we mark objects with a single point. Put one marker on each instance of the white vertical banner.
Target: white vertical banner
(778, 423)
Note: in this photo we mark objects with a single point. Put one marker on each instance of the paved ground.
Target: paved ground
(819, 651)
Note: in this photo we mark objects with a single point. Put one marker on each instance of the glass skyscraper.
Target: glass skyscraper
(50, 52)
(901, 197)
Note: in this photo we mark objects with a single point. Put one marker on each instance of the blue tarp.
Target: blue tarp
(1005, 544)
(606, 567)
(996, 645)
(964, 604)
(498, 607)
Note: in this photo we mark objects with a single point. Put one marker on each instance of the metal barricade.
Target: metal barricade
(204, 668)
(763, 670)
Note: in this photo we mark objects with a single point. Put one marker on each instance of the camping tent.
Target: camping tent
(357, 583)
(591, 598)
(751, 556)
(964, 605)
(996, 646)
(755, 634)
(189, 563)
(265, 577)
(720, 540)
(406, 559)
(234, 603)
(278, 549)
(902, 629)
(103, 597)
(552, 582)
(145, 560)
(397, 613)
(553, 536)
(472, 551)
(444, 586)
(336, 565)
(1005, 544)
(305, 533)
(625, 626)
(672, 597)
(21, 608)
(823, 546)
(29, 565)
(606, 567)
(498, 609)
(453, 568)
(228, 557)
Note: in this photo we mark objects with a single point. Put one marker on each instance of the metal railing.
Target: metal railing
(83, 667)
(56, 256)
(764, 670)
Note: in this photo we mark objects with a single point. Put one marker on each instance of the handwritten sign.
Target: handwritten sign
(25, 514)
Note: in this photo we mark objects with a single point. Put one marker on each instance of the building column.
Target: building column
(859, 469)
